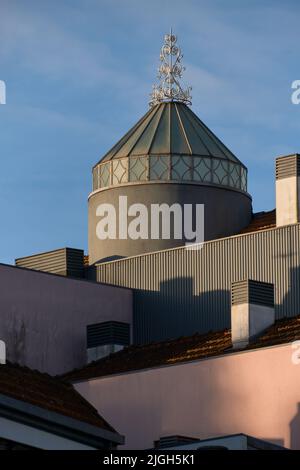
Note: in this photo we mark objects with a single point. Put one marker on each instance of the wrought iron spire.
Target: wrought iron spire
(169, 73)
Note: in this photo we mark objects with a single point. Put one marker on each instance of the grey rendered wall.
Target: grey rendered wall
(180, 291)
(226, 212)
(43, 317)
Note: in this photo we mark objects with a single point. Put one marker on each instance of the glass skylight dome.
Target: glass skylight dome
(170, 143)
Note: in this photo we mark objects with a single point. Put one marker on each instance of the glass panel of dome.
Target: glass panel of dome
(159, 168)
(202, 169)
(220, 171)
(96, 178)
(105, 175)
(234, 175)
(138, 168)
(120, 166)
(181, 168)
(243, 179)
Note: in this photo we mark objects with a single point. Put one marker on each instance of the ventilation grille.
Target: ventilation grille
(287, 166)
(252, 292)
(110, 332)
(170, 441)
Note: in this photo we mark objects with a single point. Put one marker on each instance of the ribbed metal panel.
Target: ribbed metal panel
(287, 166)
(65, 261)
(182, 291)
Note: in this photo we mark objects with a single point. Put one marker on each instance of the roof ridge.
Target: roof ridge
(185, 348)
(215, 138)
(183, 130)
(127, 134)
(186, 114)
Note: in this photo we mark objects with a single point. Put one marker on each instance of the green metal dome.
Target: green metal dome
(168, 160)
(170, 144)
(168, 129)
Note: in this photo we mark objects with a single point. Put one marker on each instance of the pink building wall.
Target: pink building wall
(255, 392)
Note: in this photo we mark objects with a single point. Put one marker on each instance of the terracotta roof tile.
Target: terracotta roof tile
(48, 392)
(283, 331)
(261, 221)
(183, 349)
(156, 354)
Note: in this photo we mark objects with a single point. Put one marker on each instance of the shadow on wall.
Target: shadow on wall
(295, 430)
(291, 302)
(16, 339)
(175, 311)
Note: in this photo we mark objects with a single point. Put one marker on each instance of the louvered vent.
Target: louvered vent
(110, 332)
(252, 310)
(287, 166)
(171, 441)
(252, 292)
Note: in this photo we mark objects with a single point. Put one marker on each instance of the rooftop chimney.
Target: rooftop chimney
(252, 310)
(106, 338)
(287, 190)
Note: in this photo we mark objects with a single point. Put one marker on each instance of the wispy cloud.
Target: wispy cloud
(41, 45)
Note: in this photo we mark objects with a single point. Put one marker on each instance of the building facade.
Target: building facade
(183, 291)
(191, 339)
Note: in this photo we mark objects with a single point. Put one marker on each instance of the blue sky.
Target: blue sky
(78, 75)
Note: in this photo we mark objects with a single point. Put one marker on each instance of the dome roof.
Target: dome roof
(170, 128)
(170, 144)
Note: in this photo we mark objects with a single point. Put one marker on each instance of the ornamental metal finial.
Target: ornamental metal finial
(169, 72)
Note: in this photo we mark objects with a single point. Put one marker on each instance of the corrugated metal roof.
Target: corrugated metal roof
(170, 128)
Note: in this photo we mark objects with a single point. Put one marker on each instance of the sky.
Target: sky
(78, 75)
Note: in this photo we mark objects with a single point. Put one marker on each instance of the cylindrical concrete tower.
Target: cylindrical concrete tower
(169, 157)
